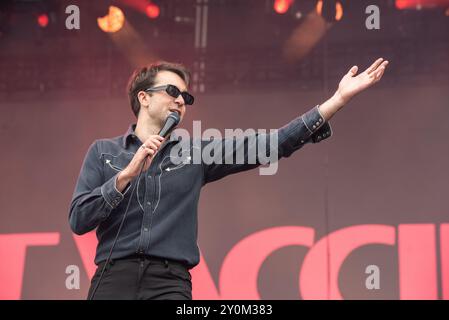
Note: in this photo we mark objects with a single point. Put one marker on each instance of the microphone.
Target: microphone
(171, 122)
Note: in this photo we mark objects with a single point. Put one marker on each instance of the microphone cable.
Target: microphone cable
(118, 232)
(170, 123)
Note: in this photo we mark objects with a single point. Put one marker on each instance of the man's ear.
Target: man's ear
(143, 98)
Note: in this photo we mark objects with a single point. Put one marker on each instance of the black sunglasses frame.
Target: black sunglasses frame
(174, 92)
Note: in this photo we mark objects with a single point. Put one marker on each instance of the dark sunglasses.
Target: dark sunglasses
(174, 92)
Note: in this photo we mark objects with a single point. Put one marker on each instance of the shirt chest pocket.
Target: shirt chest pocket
(171, 164)
(113, 164)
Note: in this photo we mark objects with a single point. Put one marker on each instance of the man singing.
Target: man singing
(134, 174)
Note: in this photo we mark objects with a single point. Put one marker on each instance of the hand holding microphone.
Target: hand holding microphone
(145, 154)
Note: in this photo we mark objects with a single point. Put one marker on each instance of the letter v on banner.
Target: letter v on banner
(87, 246)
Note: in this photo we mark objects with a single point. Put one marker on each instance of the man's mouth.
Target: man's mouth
(175, 110)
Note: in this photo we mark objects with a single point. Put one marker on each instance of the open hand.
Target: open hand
(351, 84)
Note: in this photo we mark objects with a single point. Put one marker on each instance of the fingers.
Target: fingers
(154, 142)
(155, 138)
(353, 71)
(380, 71)
(152, 145)
(144, 155)
(374, 66)
(147, 151)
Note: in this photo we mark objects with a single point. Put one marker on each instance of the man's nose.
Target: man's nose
(180, 101)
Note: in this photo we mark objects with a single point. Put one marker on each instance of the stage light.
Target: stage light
(330, 10)
(113, 21)
(339, 11)
(42, 20)
(420, 4)
(282, 6)
(152, 11)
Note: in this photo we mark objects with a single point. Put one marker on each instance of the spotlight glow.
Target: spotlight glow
(113, 21)
(282, 6)
(42, 20)
(152, 11)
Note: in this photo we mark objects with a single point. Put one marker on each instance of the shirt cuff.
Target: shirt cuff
(322, 133)
(111, 195)
(313, 119)
(316, 125)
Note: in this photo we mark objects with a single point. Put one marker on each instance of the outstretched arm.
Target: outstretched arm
(312, 126)
(352, 84)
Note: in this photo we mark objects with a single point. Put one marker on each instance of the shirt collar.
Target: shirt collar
(129, 135)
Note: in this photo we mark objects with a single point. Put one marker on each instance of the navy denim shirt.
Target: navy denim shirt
(162, 218)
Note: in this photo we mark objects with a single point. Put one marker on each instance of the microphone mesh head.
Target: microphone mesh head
(175, 116)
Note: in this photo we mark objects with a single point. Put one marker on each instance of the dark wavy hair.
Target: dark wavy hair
(144, 78)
